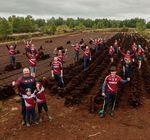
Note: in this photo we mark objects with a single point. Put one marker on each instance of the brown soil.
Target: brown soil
(75, 122)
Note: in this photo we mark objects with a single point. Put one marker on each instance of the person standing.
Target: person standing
(86, 58)
(24, 82)
(12, 54)
(29, 99)
(57, 72)
(32, 58)
(110, 89)
(77, 51)
(41, 100)
(140, 54)
(111, 53)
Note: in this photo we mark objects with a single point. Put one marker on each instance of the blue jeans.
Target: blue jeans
(12, 60)
(86, 63)
(29, 113)
(59, 80)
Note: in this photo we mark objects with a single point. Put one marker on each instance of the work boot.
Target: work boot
(23, 122)
(111, 113)
(28, 125)
(35, 122)
(101, 113)
(40, 120)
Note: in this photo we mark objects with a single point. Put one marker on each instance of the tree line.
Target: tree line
(15, 24)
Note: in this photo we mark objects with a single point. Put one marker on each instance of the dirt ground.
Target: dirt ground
(74, 123)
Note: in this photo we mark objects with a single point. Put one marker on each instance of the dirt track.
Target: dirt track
(75, 122)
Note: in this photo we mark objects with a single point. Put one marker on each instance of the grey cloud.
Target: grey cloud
(77, 8)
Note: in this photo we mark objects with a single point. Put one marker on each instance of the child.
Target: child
(29, 99)
(41, 100)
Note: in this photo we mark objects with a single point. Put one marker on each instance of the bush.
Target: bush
(62, 29)
(49, 29)
(5, 28)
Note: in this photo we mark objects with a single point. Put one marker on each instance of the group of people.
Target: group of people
(32, 92)
(110, 85)
(135, 54)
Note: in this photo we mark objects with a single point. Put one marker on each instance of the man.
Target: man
(86, 57)
(33, 50)
(140, 54)
(77, 51)
(127, 62)
(32, 58)
(24, 82)
(57, 72)
(110, 89)
(134, 48)
(116, 46)
(111, 53)
(60, 54)
(95, 44)
(27, 45)
(12, 54)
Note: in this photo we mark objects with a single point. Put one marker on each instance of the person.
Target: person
(127, 62)
(134, 50)
(32, 58)
(95, 44)
(33, 49)
(28, 45)
(77, 51)
(140, 54)
(86, 58)
(101, 43)
(116, 46)
(12, 54)
(57, 72)
(110, 89)
(111, 53)
(24, 82)
(41, 100)
(60, 55)
(29, 100)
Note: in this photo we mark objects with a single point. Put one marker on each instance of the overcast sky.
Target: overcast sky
(114, 9)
